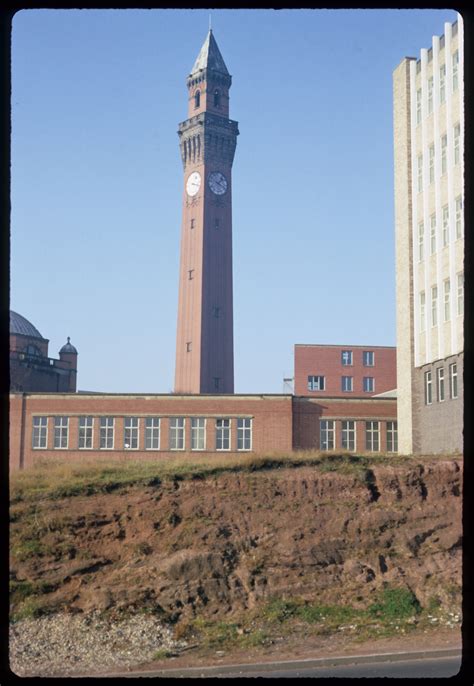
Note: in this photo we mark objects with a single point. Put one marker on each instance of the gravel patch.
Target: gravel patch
(66, 644)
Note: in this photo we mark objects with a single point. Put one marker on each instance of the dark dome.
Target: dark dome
(68, 348)
(20, 325)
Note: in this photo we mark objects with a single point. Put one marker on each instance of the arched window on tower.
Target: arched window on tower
(217, 98)
(197, 99)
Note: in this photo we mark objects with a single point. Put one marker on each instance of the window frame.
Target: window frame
(177, 433)
(444, 154)
(244, 434)
(445, 220)
(420, 173)
(428, 385)
(316, 386)
(372, 435)
(365, 358)
(453, 381)
(365, 382)
(434, 306)
(348, 355)
(221, 435)
(152, 432)
(133, 432)
(346, 432)
(39, 433)
(347, 381)
(433, 240)
(105, 431)
(421, 241)
(87, 430)
(422, 311)
(198, 433)
(442, 84)
(61, 432)
(327, 429)
(447, 299)
(392, 436)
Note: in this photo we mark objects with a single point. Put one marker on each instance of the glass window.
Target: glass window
(86, 433)
(106, 433)
(453, 380)
(422, 311)
(217, 98)
(421, 238)
(368, 358)
(222, 434)
(198, 433)
(61, 426)
(455, 59)
(432, 159)
(459, 218)
(430, 95)
(152, 433)
(130, 433)
(369, 384)
(434, 305)
(197, 99)
(418, 106)
(177, 433)
(442, 83)
(326, 434)
(447, 299)
(392, 437)
(420, 173)
(460, 298)
(348, 435)
(346, 357)
(457, 135)
(372, 436)
(444, 149)
(428, 389)
(440, 379)
(433, 233)
(316, 383)
(445, 225)
(244, 433)
(40, 432)
(346, 383)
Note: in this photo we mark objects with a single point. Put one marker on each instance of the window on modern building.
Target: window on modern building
(107, 433)
(192, 223)
(346, 383)
(198, 433)
(316, 383)
(447, 299)
(421, 238)
(222, 434)
(197, 99)
(428, 388)
(368, 358)
(433, 234)
(430, 94)
(86, 433)
(346, 358)
(244, 433)
(369, 384)
(326, 434)
(392, 437)
(418, 106)
(459, 218)
(190, 274)
(444, 149)
(422, 311)
(455, 59)
(442, 83)
(440, 383)
(453, 380)
(177, 425)
(460, 294)
(431, 162)
(152, 433)
(457, 150)
(372, 436)
(40, 432)
(188, 346)
(434, 305)
(130, 433)
(420, 173)
(61, 431)
(217, 98)
(445, 225)
(348, 434)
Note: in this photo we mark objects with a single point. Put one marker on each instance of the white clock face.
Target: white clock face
(217, 183)
(193, 184)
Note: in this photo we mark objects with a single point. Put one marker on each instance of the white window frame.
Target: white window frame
(392, 437)
(316, 383)
(442, 84)
(223, 434)
(327, 434)
(368, 384)
(430, 94)
(428, 388)
(457, 138)
(422, 311)
(447, 299)
(453, 381)
(85, 438)
(131, 431)
(347, 381)
(431, 163)
(349, 435)
(460, 294)
(198, 433)
(445, 225)
(39, 435)
(455, 64)
(434, 306)
(444, 152)
(177, 433)
(107, 432)
(346, 358)
(432, 234)
(459, 218)
(152, 433)
(368, 358)
(418, 106)
(244, 433)
(440, 384)
(420, 173)
(61, 432)
(421, 238)
(372, 436)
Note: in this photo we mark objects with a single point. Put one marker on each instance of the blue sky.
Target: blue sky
(97, 181)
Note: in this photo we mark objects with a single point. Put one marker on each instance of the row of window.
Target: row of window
(318, 383)
(458, 229)
(446, 302)
(216, 223)
(216, 98)
(368, 358)
(348, 429)
(440, 384)
(441, 86)
(444, 157)
(131, 433)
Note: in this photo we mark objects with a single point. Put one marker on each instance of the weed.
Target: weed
(395, 603)
(163, 653)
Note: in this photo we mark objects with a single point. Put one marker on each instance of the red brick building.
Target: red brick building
(30, 367)
(344, 371)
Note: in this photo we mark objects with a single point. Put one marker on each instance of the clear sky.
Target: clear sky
(97, 182)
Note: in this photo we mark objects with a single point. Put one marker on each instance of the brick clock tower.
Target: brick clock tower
(205, 345)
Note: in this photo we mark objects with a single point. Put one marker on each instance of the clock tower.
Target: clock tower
(204, 344)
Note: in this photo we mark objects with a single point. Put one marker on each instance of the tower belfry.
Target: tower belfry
(204, 344)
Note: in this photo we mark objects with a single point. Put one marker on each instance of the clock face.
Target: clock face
(193, 184)
(217, 183)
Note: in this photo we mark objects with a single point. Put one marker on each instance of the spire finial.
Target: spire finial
(210, 22)
(68, 339)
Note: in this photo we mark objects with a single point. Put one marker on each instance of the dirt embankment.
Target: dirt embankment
(222, 544)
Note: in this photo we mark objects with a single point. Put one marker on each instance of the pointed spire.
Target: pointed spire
(210, 56)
